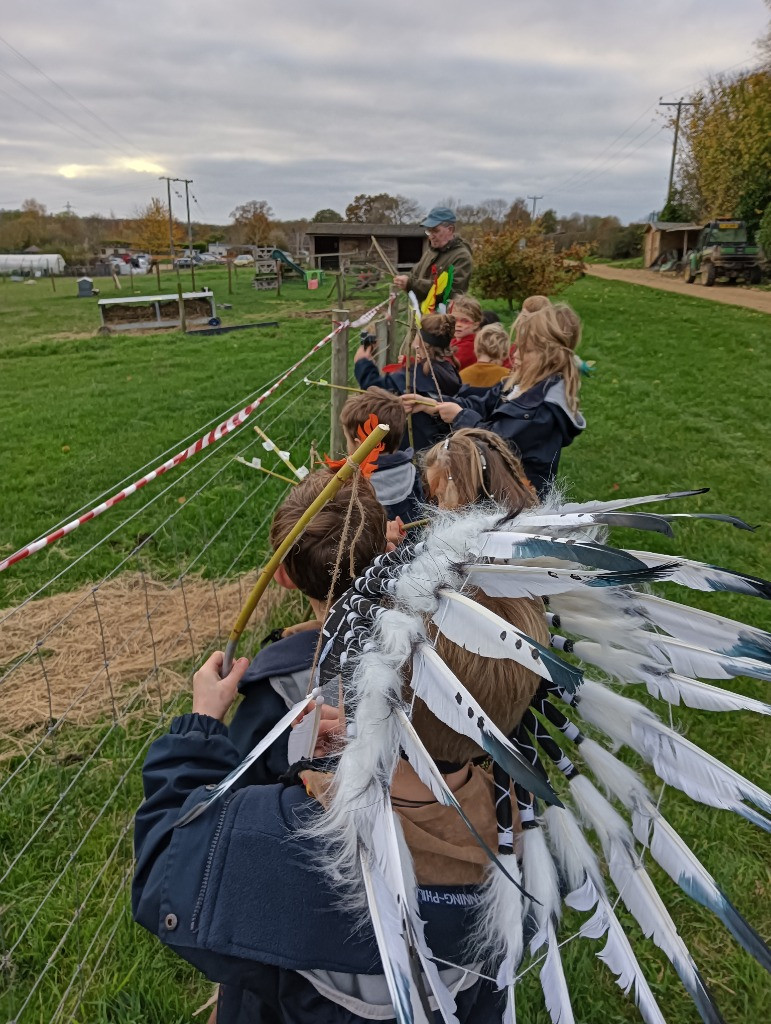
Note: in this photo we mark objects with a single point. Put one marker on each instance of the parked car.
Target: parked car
(184, 263)
(244, 260)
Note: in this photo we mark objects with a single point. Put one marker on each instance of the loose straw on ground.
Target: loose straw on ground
(147, 661)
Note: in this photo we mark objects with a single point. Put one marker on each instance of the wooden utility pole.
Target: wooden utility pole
(679, 104)
(535, 200)
(339, 375)
(188, 182)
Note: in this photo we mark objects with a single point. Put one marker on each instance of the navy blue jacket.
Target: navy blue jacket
(287, 662)
(237, 893)
(397, 485)
(426, 429)
(537, 425)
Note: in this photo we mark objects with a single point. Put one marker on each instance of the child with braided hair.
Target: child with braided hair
(473, 465)
(432, 375)
(535, 410)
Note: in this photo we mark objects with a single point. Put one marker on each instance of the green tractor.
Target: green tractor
(722, 251)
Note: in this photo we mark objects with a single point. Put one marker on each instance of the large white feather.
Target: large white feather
(638, 893)
(715, 632)
(481, 631)
(537, 581)
(575, 857)
(701, 576)
(619, 957)
(676, 760)
(668, 849)
(541, 882)
(499, 930)
(257, 751)
(387, 926)
(450, 701)
(393, 859)
(694, 694)
(689, 660)
(609, 506)
(552, 977)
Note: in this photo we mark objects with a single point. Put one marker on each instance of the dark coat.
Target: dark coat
(426, 429)
(397, 485)
(276, 679)
(537, 424)
(458, 253)
(237, 892)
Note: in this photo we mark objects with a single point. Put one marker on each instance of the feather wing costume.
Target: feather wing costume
(610, 637)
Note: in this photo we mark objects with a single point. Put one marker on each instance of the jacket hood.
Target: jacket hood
(293, 653)
(554, 394)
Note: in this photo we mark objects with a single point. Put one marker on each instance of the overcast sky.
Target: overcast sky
(306, 103)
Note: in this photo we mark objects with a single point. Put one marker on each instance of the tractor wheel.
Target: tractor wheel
(688, 275)
(708, 275)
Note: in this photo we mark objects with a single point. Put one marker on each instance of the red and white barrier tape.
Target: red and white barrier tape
(203, 442)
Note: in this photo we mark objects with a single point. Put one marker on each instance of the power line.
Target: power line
(600, 171)
(57, 110)
(535, 200)
(679, 104)
(68, 94)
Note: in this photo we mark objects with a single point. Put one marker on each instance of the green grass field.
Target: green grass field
(678, 400)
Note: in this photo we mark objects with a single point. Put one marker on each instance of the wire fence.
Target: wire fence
(89, 676)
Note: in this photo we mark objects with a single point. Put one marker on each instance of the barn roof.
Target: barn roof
(672, 225)
(365, 230)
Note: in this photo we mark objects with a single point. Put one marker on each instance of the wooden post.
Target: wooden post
(230, 277)
(53, 281)
(339, 287)
(278, 278)
(182, 317)
(158, 274)
(131, 276)
(339, 375)
(382, 355)
(393, 340)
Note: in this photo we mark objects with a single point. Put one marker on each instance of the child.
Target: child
(476, 465)
(238, 892)
(491, 348)
(535, 410)
(395, 480)
(468, 320)
(432, 374)
(279, 674)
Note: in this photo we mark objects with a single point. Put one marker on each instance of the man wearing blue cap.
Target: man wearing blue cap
(445, 249)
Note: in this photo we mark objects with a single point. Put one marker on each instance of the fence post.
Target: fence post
(383, 353)
(393, 341)
(339, 375)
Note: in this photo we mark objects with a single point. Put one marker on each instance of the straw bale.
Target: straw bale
(147, 658)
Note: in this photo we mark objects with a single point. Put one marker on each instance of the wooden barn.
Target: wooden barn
(666, 236)
(403, 244)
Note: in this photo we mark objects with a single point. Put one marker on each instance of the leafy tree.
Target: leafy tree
(547, 222)
(518, 262)
(327, 217)
(518, 214)
(764, 232)
(382, 209)
(252, 223)
(726, 153)
(151, 228)
(628, 242)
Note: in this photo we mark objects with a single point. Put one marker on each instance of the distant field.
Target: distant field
(678, 399)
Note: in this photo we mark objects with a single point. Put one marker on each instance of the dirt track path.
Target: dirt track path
(727, 294)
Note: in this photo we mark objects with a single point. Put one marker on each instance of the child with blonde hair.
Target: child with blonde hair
(468, 319)
(491, 348)
(535, 410)
(476, 465)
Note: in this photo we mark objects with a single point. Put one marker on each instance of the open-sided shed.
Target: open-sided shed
(663, 236)
(330, 243)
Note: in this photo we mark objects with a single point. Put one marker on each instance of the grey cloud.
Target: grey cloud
(307, 104)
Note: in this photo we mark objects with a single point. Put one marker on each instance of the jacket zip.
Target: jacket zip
(207, 869)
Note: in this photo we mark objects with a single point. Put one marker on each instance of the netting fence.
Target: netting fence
(91, 674)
